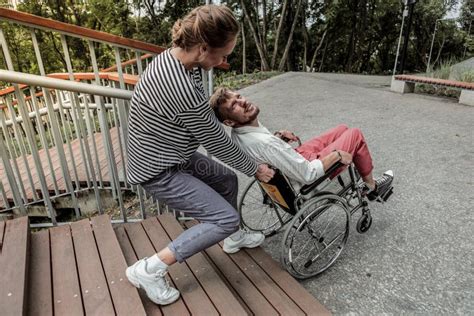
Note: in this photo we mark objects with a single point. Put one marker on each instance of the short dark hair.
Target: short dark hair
(219, 97)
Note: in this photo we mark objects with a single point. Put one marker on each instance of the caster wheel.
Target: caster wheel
(363, 224)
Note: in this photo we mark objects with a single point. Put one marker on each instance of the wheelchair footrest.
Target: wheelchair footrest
(384, 197)
(387, 194)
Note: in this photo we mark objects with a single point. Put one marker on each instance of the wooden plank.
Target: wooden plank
(279, 300)
(66, 289)
(2, 230)
(130, 257)
(124, 295)
(143, 248)
(194, 296)
(14, 265)
(250, 295)
(287, 283)
(95, 293)
(40, 293)
(212, 284)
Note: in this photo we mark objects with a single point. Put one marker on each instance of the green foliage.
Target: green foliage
(467, 76)
(361, 36)
(445, 71)
(235, 81)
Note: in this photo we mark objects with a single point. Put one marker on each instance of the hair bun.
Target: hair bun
(211, 24)
(177, 33)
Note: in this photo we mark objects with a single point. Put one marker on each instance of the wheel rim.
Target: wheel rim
(315, 237)
(258, 213)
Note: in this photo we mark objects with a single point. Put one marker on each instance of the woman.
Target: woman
(169, 118)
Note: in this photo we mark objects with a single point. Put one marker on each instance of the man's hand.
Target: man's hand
(346, 158)
(287, 135)
(264, 173)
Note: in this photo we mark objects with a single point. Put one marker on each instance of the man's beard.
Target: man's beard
(254, 116)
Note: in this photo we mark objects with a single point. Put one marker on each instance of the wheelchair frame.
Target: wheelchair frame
(304, 209)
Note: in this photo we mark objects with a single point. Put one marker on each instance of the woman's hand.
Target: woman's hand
(264, 173)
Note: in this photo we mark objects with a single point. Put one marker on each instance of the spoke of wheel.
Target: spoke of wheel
(329, 222)
(311, 239)
(301, 251)
(329, 245)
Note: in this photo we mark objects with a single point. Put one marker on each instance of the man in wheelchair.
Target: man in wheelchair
(318, 219)
(305, 163)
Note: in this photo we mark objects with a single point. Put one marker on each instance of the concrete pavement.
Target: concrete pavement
(417, 258)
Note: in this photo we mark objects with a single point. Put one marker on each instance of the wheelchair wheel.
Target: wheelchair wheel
(316, 236)
(259, 213)
(364, 223)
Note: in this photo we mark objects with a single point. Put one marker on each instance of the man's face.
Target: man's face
(238, 111)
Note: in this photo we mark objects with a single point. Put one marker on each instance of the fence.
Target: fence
(63, 137)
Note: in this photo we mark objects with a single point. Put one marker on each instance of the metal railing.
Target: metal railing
(75, 114)
(64, 138)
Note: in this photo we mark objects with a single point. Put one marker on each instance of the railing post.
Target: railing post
(105, 132)
(4, 194)
(75, 107)
(43, 139)
(10, 148)
(11, 179)
(34, 152)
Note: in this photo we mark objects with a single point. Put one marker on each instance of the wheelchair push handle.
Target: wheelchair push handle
(309, 187)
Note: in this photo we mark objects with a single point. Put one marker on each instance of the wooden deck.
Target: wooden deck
(79, 269)
(78, 162)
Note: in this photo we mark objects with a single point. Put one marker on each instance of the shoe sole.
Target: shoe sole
(234, 250)
(133, 280)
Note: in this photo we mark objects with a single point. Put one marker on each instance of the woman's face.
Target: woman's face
(211, 57)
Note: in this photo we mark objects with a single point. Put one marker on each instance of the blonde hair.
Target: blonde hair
(219, 97)
(213, 25)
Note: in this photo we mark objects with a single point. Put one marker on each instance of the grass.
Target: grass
(444, 72)
(235, 81)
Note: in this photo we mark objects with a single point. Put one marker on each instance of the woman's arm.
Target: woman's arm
(202, 123)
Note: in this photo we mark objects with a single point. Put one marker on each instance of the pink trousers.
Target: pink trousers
(343, 138)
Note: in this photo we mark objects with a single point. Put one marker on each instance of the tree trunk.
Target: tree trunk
(277, 36)
(264, 25)
(244, 50)
(317, 50)
(290, 38)
(353, 38)
(439, 52)
(260, 50)
(324, 55)
(305, 39)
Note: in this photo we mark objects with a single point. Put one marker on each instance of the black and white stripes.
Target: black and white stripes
(169, 117)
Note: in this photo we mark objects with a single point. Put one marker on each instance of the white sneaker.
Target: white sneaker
(155, 285)
(242, 239)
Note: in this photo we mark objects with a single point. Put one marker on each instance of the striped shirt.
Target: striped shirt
(170, 117)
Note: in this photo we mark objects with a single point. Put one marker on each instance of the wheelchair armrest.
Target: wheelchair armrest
(309, 187)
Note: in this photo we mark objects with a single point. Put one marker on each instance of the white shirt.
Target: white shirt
(264, 147)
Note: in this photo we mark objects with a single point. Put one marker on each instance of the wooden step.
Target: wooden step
(80, 269)
(14, 252)
(213, 282)
(264, 286)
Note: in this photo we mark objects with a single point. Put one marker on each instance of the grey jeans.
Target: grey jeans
(205, 190)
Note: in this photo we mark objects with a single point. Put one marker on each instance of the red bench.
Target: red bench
(406, 84)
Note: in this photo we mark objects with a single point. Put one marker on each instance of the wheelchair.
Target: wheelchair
(316, 216)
